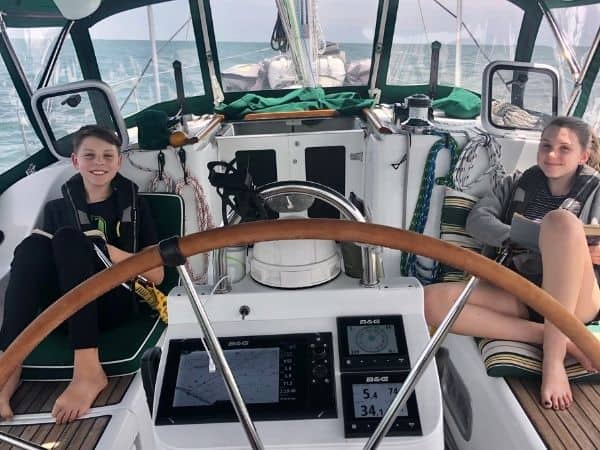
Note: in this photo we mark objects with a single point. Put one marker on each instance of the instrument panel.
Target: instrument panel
(280, 377)
(373, 364)
(293, 377)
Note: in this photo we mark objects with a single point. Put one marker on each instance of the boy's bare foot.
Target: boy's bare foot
(556, 391)
(88, 381)
(7, 392)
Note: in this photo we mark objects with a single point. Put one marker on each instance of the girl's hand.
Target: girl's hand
(595, 253)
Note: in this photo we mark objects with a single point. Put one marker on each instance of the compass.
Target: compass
(371, 339)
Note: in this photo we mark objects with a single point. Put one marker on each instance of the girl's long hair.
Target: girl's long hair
(585, 135)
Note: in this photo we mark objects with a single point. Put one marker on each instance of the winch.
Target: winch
(417, 108)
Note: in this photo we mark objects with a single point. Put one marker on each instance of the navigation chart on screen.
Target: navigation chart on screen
(256, 371)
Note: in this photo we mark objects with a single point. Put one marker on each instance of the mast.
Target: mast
(458, 57)
(154, 53)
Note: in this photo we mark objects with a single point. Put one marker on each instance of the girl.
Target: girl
(43, 269)
(561, 191)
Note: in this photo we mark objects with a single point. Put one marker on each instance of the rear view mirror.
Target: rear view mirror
(62, 110)
(518, 96)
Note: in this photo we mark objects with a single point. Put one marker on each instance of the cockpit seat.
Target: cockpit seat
(120, 348)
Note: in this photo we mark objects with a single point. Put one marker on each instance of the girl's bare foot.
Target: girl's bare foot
(7, 392)
(556, 391)
(88, 381)
(576, 353)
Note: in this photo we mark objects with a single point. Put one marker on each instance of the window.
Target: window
(420, 22)
(249, 60)
(33, 45)
(19, 140)
(124, 54)
(579, 26)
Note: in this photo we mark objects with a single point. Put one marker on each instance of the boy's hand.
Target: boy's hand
(116, 254)
(595, 253)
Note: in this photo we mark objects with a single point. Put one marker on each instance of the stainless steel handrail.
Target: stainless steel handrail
(18, 442)
(370, 259)
(423, 361)
(217, 355)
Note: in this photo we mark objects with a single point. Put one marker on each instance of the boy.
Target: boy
(43, 269)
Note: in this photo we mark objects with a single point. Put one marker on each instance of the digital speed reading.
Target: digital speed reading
(373, 399)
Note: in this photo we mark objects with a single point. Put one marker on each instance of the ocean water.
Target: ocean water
(124, 65)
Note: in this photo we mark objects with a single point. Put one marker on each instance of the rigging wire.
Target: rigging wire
(141, 75)
(472, 36)
(260, 50)
(423, 21)
(441, 5)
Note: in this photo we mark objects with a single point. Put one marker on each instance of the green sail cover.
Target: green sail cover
(304, 99)
(460, 104)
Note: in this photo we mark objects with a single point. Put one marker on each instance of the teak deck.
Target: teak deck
(82, 434)
(575, 428)
(39, 396)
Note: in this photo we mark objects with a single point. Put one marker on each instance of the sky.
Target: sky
(418, 21)
(492, 21)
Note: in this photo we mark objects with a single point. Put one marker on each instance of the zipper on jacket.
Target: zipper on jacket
(77, 221)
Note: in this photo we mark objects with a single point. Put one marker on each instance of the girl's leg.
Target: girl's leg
(569, 277)
(32, 285)
(75, 262)
(490, 313)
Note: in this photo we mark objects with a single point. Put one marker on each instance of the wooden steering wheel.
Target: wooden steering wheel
(332, 229)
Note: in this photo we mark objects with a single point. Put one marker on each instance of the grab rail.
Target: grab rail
(18, 442)
(373, 119)
(369, 257)
(218, 356)
(310, 114)
(423, 361)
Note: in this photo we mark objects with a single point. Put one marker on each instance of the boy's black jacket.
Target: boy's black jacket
(72, 211)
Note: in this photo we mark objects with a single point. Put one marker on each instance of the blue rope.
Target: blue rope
(409, 264)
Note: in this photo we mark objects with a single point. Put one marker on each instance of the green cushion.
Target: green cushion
(120, 349)
(303, 99)
(153, 129)
(168, 214)
(460, 104)
(518, 359)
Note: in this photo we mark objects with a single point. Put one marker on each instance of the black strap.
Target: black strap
(169, 252)
(237, 191)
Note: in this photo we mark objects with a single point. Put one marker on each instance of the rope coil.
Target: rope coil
(466, 163)
(409, 264)
(204, 218)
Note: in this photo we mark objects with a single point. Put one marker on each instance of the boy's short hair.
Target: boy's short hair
(96, 131)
